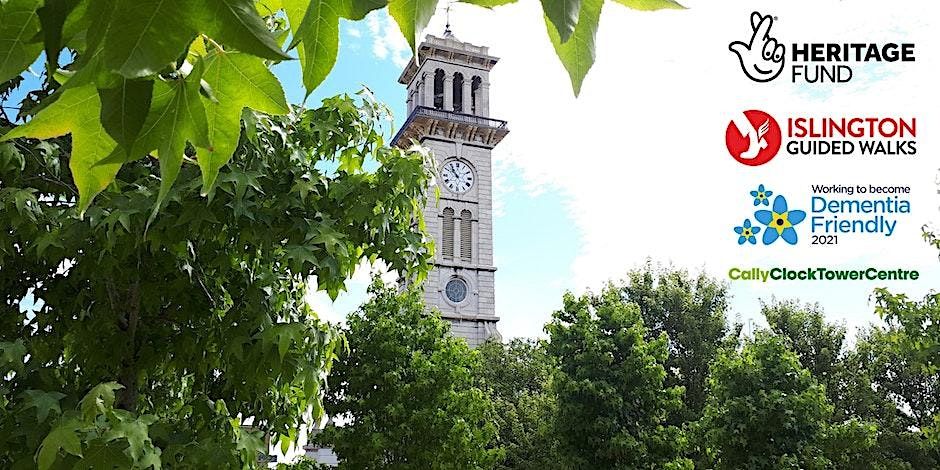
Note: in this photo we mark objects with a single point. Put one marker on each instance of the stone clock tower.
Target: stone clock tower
(448, 106)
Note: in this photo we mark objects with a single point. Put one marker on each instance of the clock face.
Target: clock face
(457, 176)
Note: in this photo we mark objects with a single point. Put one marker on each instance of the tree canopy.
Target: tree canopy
(404, 393)
(140, 342)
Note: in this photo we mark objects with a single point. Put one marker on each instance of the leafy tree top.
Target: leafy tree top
(149, 339)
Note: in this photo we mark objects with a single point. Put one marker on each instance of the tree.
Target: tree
(691, 312)
(136, 342)
(764, 410)
(143, 81)
(612, 402)
(516, 377)
(866, 430)
(405, 391)
(908, 360)
(816, 342)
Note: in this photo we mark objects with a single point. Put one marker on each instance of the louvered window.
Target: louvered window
(466, 236)
(448, 239)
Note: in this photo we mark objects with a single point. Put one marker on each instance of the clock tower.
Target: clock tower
(448, 112)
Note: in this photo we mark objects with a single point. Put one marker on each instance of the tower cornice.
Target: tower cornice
(425, 122)
(449, 50)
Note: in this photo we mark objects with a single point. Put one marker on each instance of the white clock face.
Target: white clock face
(457, 176)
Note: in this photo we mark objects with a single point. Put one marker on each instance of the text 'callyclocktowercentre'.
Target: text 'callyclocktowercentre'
(448, 106)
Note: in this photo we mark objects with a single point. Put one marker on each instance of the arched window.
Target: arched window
(475, 94)
(466, 235)
(439, 89)
(458, 92)
(448, 237)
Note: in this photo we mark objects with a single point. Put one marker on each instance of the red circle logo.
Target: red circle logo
(753, 138)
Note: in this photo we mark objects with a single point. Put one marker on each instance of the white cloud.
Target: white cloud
(387, 40)
(641, 152)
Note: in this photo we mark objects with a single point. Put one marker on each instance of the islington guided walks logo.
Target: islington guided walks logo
(763, 58)
(754, 137)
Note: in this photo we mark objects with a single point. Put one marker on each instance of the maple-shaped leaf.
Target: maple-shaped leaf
(577, 53)
(18, 24)
(44, 402)
(64, 436)
(315, 28)
(563, 14)
(236, 24)
(77, 112)
(238, 81)
(412, 17)
(176, 116)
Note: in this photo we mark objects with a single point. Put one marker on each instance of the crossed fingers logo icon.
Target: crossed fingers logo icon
(761, 58)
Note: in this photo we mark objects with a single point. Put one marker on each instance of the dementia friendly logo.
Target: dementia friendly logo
(779, 221)
(753, 137)
(762, 57)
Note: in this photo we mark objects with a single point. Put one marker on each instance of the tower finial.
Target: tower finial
(447, 32)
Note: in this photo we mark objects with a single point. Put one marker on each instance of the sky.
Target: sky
(635, 168)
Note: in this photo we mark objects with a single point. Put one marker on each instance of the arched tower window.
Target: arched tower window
(439, 89)
(475, 94)
(447, 240)
(466, 235)
(458, 92)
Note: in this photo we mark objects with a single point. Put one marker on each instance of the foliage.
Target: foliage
(764, 411)
(817, 343)
(405, 391)
(158, 77)
(911, 346)
(516, 376)
(691, 313)
(133, 342)
(612, 402)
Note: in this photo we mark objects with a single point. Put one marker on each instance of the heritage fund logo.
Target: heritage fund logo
(754, 137)
(763, 57)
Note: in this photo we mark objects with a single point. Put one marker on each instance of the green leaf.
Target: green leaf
(52, 16)
(358, 9)
(98, 399)
(488, 3)
(577, 54)
(238, 81)
(412, 17)
(236, 24)
(563, 14)
(177, 115)
(315, 28)
(19, 23)
(44, 402)
(124, 109)
(102, 456)
(144, 36)
(77, 112)
(11, 355)
(62, 437)
(650, 5)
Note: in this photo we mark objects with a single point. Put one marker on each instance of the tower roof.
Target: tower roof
(451, 50)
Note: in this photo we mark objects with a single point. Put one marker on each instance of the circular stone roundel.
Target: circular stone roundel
(456, 290)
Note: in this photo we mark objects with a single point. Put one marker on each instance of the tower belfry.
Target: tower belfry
(448, 112)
